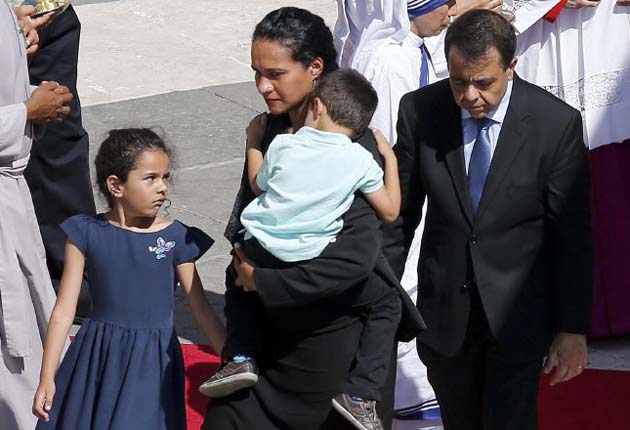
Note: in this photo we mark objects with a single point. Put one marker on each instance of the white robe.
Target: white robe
(26, 293)
(583, 58)
(373, 37)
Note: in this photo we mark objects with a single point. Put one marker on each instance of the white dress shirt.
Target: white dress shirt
(470, 130)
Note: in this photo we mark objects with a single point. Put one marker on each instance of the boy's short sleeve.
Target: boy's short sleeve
(75, 229)
(372, 180)
(192, 245)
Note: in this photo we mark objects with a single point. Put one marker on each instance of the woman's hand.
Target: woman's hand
(256, 131)
(576, 4)
(244, 269)
(43, 400)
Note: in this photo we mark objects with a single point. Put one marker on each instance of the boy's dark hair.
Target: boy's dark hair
(478, 30)
(349, 98)
(119, 153)
(302, 32)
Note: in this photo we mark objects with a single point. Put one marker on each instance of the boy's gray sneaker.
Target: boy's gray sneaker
(230, 378)
(361, 413)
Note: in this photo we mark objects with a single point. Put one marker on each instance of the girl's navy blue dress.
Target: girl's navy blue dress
(124, 369)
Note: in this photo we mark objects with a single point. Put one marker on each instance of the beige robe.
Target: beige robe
(26, 293)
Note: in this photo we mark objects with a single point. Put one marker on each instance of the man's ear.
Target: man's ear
(511, 68)
(114, 186)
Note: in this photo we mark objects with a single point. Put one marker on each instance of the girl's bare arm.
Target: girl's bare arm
(203, 314)
(58, 328)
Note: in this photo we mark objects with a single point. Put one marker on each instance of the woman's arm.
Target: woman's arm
(58, 328)
(203, 314)
(344, 264)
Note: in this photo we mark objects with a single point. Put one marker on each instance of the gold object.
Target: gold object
(45, 6)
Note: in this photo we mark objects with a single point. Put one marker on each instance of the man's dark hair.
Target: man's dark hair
(475, 32)
(349, 98)
(301, 31)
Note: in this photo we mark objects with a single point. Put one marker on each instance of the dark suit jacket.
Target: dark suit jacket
(528, 250)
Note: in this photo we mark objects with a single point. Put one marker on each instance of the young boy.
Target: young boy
(305, 183)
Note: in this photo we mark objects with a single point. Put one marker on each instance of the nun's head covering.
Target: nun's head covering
(422, 7)
(364, 25)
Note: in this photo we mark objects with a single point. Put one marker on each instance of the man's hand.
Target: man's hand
(256, 131)
(576, 4)
(244, 269)
(49, 102)
(463, 6)
(568, 354)
(29, 26)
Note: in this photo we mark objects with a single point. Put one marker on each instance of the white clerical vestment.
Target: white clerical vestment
(26, 293)
(374, 38)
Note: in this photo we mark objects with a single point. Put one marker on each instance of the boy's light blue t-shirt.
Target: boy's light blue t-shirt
(309, 179)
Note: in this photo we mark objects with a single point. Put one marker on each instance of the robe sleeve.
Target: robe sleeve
(529, 12)
(12, 129)
(389, 87)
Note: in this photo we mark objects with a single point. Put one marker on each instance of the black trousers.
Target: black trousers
(479, 389)
(58, 172)
(375, 302)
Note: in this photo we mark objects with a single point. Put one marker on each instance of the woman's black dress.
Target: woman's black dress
(308, 330)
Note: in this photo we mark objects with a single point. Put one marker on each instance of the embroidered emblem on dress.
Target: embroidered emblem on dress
(162, 248)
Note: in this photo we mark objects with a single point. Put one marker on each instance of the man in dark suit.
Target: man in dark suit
(505, 267)
(58, 172)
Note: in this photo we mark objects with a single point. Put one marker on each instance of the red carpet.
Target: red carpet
(597, 400)
(200, 363)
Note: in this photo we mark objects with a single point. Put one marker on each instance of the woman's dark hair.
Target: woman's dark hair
(478, 30)
(119, 153)
(303, 33)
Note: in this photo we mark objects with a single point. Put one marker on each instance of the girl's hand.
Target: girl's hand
(43, 401)
(256, 131)
(576, 4)
(384, 148)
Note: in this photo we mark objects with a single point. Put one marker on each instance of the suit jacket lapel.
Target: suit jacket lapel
(511, 138)
(452, 150)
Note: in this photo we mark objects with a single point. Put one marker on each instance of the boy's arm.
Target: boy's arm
(386, 200)
(255, 133)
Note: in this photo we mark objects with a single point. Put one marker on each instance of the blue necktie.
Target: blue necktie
(479, 162)
(424, 66)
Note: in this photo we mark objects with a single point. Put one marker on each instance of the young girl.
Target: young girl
(125, 370)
